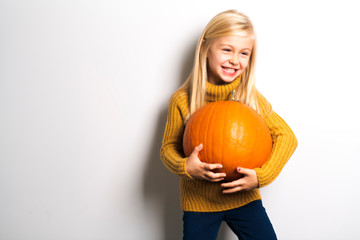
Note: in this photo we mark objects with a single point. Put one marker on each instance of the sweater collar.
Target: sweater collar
(221, 92)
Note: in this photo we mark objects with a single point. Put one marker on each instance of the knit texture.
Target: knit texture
(203, 196)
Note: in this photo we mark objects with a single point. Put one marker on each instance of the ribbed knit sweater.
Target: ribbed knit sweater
(203, 196)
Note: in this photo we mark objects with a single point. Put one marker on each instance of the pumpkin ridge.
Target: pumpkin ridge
(193, 137)
(210, 133)
(197, 134)
(214, 118)
(224, 154)
(223, 114)
(206, 128)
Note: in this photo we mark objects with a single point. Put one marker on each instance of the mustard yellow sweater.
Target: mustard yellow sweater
(203, 196)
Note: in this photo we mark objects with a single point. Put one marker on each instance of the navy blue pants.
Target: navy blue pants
(249, 222)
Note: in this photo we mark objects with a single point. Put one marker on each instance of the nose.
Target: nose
(234, 59)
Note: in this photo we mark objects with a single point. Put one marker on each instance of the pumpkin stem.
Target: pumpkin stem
(233, 95)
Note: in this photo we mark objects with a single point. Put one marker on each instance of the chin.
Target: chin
(228, 79)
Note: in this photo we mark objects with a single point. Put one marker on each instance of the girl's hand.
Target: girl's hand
(200, 170)
(247, 182)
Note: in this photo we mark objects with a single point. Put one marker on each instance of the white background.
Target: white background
(84, 88)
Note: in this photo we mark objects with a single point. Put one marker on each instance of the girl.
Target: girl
(224, 62)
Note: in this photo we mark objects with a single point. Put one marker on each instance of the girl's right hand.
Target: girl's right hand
(200, 170)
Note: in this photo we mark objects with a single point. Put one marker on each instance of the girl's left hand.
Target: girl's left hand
(247, 182)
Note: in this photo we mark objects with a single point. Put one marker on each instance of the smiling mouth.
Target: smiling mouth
(229, 70)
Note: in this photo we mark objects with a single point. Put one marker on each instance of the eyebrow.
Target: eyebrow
(229, 45)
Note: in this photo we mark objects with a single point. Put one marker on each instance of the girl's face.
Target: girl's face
(227, 58)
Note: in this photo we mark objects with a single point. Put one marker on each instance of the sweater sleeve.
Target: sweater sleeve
(171, 151)
(284, 145)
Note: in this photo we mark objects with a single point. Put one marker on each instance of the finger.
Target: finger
(212, 175)
(244, 171)
(215, 179)
(197, 149)
(210, 167)
(212, 178)
(232, 190)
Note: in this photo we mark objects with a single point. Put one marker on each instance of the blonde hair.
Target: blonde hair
(226, 23)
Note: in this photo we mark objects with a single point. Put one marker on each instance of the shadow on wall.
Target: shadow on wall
(159, 184)
(163, 186)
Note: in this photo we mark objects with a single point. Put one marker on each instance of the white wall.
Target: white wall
(84, 87)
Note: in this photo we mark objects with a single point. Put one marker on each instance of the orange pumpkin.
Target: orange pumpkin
(232, 134)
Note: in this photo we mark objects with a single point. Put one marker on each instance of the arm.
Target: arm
(172, 151)
(284, 145)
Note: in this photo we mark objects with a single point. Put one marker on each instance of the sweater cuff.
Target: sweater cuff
(261, 182)
(185, 175)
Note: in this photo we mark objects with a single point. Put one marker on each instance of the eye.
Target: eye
(245, 53)
(226, 49)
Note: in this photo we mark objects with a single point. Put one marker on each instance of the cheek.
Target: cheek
(214, 62)
(222, 58)
(216, 58)
(245, 63)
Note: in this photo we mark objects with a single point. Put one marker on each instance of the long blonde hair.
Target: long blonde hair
(226, 23)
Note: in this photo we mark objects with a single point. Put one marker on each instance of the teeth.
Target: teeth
(229, 70)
